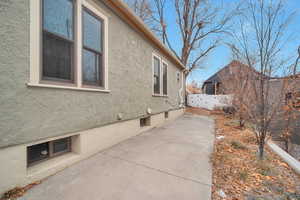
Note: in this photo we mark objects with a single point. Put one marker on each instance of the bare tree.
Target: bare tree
(289, 116)
(194, 87)
(296, 63)
(236, 80)
(143, 9)
(160, 27)
(259, 44)
(199, 23)
(291, 107)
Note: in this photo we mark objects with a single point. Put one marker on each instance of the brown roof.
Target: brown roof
(233, 64)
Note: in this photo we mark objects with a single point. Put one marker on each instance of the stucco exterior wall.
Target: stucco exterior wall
(14, 170)
(31, 113)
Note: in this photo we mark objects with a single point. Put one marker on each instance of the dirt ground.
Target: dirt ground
(238, 174)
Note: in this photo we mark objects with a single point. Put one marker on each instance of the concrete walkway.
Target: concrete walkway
(166, 163)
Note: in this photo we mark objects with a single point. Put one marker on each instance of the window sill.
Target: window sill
(67, 87)
(158, 95)
(51, 164)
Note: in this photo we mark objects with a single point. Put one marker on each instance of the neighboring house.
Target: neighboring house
(77, 76)
(214, 85)
(280, 122)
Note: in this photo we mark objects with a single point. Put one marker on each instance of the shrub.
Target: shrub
(264, 168)
(243, 175)
(238, 145)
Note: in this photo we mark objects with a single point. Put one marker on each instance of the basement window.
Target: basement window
(166, 115)
(41, 152)
(146, 121)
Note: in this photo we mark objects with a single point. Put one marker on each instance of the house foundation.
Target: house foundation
(14, 169)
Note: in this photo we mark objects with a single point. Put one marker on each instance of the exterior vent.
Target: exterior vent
(146, 121)
(166, 115)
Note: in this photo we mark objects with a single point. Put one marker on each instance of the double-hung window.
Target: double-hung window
(68, 45)
(156, 75)
(160, 77)
(165, 78)
(92, 49)
(58, 40)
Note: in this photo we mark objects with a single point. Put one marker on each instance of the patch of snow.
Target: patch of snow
(222, 194)
(220, 137)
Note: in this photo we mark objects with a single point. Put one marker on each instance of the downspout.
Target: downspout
(180, 92)
(181, 101)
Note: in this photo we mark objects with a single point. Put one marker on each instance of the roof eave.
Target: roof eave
(139, 25)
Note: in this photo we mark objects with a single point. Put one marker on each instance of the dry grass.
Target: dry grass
(198, 111)
(238, 172)
(242, 173)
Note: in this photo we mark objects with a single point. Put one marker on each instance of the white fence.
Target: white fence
(209, 102)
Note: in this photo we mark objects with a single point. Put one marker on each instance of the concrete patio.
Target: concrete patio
(166, 163)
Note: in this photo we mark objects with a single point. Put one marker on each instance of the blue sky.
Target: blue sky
(222, 56)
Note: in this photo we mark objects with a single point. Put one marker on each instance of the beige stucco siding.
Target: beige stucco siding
(32, 113)
(14, 170)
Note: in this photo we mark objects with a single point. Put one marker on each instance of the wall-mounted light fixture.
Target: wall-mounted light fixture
(120, 116)
(149, 111)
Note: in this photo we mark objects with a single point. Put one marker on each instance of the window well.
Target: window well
(40, 152)
(61, 146)
(166, 115)
(146, 121)
(37, 153)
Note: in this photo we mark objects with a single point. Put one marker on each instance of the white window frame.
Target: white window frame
(161, 62)
(167, 66)
(157, 57)
(35, 47)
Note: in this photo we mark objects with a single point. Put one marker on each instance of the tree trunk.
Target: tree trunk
(242, 123)
(286, 142)
(261, 150)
